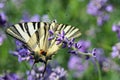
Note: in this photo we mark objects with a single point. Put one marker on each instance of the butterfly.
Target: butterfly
(35, 36)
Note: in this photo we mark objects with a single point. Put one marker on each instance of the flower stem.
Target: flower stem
(98, 69)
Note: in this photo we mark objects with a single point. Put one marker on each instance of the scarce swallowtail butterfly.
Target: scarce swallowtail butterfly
(35, 36)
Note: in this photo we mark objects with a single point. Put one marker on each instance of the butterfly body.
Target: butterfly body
(35, 36)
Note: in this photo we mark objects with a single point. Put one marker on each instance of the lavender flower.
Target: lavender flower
(102, 18)
(36, 73)
(45, 18)
(26, 18)
(62, 39)
(116, 51)
(22, 53)
(58, 74)
(3, 18)
(70, 42)
(77, 66)
(1, 5)
(100, 9)
(81, 48)
(82, 45)
(35, 18)
(2, 37)
(116, 28)
(52, 36)
(78, 48)
(10, 76)
(108, 64)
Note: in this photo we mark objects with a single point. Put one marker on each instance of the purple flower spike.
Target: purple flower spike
(45, 18)
(71, 42)
(72, 52)
(64, 44)
(51, 32)
(99, 9)
(77, 45)
(94, 51)
(116, 49)
(62, 34)
(35, 18)
(50, 38)
(1, 5)
(3, 18)
(61, 38)
(23, 54)
(36, 73)
(26, 18)
(109, 8)
(10, 76)
(58, 74)
(116, 28)
(77, 66)
(82, 45)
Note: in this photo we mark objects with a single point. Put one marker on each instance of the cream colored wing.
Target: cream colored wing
(25, 32)
(70, 32)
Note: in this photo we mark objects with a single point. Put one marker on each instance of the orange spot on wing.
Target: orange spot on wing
(43, 52)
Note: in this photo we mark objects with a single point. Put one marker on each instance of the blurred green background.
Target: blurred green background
(71, 12)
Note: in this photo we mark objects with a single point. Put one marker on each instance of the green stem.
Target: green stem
(98, 69)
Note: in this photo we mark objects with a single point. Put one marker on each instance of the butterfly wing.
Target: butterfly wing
(25, 32)
(70, 32)
(34, 34)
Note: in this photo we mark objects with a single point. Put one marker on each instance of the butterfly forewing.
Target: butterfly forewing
(70, 32)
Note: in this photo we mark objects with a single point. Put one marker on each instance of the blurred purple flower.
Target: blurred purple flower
(100, 9)
(22, 53)
(92, 9)
(58, 74)
(3, 18)
(45, 18)
(116, 51)
(1, 5)
(100, 54)
(116, 28)
(101, 19)
(10, 76)
(83, 45)
(2, 37)
(77, 66)
(26, 18)
(109, 8)
(108, 65)
(35, 18)
(36, 73)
